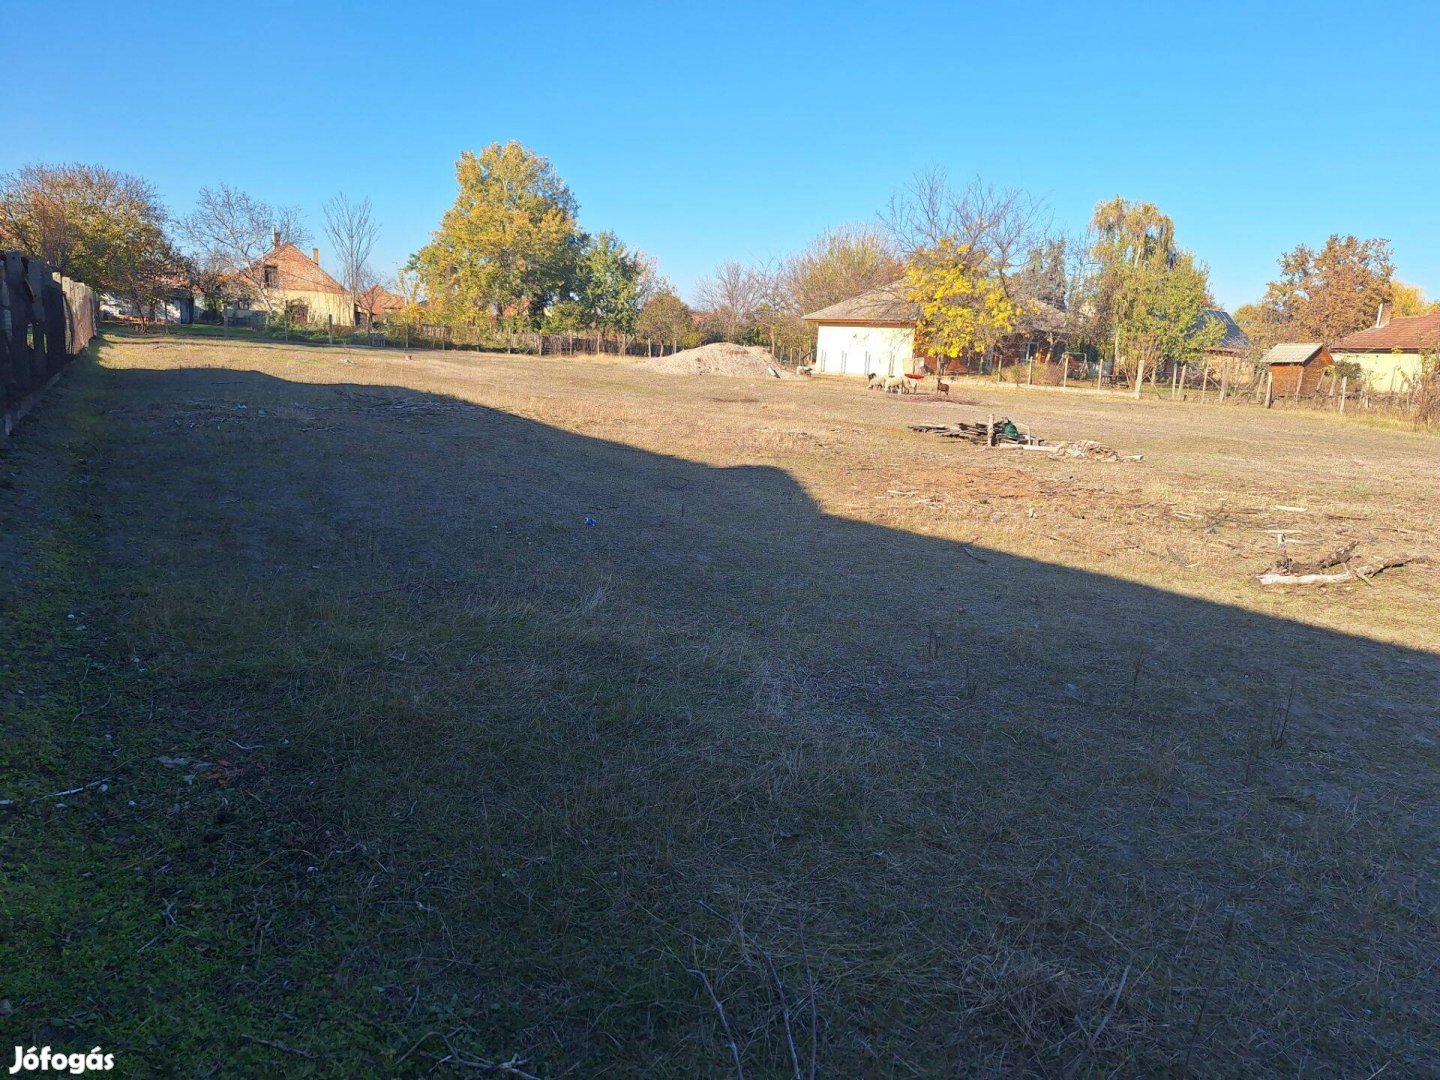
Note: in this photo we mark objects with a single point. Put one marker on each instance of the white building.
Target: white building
(870, 333)
(875, 333)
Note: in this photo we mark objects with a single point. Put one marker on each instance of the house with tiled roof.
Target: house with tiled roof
(286, 280)
(378, 304)
(1392, 352)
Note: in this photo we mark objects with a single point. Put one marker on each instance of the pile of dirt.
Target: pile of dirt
(721, 358)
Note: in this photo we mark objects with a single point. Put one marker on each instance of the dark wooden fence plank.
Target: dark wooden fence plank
(45, 321)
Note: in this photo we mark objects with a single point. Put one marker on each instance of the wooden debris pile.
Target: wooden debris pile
(1288, 571)
(979, 434)
(1002, 434)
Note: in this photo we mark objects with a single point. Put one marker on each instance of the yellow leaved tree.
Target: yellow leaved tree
(964, 307)
(506, 248)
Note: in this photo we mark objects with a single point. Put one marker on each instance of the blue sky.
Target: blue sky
(701, 132)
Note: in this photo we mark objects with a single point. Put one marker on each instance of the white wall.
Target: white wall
(859, 350)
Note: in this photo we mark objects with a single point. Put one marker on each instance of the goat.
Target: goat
(942, 387)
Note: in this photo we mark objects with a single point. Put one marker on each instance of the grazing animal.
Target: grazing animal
(874, 382)
(942, 387)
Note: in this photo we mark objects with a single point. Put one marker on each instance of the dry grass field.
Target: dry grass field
(469, 715)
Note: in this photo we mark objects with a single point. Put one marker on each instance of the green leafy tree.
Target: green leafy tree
(507, 248)
(612, 284)
(1160, 307)
(667, 318)
(565, 317)
(1150, 296)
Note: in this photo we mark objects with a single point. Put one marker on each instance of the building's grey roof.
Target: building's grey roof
(1292, 352)
(1042, 317)
(887, 304)
(1234, 337)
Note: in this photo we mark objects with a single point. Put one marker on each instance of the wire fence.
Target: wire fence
(1236, 381)
(472, 338)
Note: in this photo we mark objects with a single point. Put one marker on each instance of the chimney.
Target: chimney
(276, 235)
(1382, 317)
(315, 254)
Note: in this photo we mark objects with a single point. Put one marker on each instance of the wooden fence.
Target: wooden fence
(45, 320)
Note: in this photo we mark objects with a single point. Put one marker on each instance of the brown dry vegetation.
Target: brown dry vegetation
(831, 749)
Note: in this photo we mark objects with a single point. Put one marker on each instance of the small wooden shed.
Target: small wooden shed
(1296, 367)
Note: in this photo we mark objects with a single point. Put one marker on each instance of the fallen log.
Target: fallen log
(1350, 573)
(1084, 448)
(1338, 557)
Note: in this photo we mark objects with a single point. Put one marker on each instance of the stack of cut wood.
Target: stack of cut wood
(980, 434)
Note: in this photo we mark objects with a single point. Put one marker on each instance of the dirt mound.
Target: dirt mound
(722, 358)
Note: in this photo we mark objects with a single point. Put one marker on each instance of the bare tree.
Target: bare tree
(838, 264)
(232, 232)
(736, 295)
(351, 226)
(998, 227)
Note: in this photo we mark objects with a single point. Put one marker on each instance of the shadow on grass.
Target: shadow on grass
(515, 741)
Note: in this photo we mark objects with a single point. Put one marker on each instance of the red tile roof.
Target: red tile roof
(298, 272)
(1409, 333)
(378, 299)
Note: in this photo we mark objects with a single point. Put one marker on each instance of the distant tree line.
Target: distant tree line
(981, 262)
(511, 255)
(112, 231)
